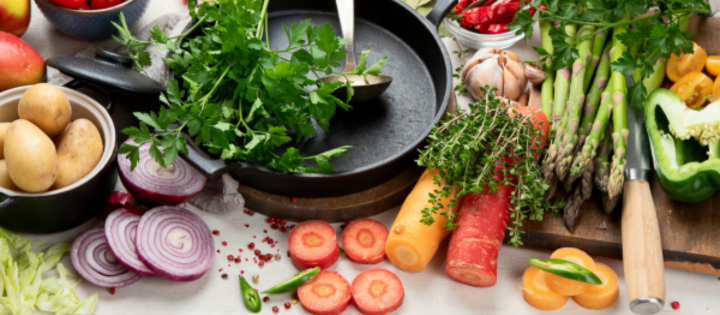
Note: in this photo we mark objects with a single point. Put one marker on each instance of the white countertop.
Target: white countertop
(429, 292)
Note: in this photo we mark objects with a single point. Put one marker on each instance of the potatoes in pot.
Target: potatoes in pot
(5, 180)
(46, 106)
(79, 150)
(32, 162)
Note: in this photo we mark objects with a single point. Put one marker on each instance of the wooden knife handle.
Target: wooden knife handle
(642, 250)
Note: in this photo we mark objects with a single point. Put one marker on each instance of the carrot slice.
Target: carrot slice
(565, 286)
(328, 293)
(313, 243)
(600, 296)
(364, 241)
(377, 292)
(537, 293)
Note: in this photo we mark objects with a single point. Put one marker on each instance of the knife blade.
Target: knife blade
(642, 248)
(637, 156)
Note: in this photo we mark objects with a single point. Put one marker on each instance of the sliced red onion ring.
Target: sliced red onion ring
(121, 231)
(151, 184)
(175, 243)
(92, 258)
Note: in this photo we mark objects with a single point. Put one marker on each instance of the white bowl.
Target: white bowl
(476, 40)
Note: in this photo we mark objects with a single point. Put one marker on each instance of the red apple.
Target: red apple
(14, 16)
(20, 64)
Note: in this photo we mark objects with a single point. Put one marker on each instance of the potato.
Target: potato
(3, 129)
(79, 151)
(32, 162)
(46, 106)
(5, 181)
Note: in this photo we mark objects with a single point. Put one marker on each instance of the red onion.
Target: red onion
(121, 230)
(175, 243)
(151, 184)
(92, 258)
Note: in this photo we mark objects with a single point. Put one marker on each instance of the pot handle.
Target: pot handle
(76, 85)
(440, 11)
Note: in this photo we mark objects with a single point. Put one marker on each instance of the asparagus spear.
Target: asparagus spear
(575, 102)
(546, 97)
(602, 164)
(572, 208)
(598, 48)
(559, 121)
(620, 131)
(591, 107)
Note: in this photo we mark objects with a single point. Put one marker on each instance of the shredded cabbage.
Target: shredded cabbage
(23, 288)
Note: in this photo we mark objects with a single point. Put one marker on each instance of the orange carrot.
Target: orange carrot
(602, 296)
(537, 293)
(565, 286)
(411, 244)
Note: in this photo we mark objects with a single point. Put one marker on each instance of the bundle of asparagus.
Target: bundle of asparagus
(582, 96)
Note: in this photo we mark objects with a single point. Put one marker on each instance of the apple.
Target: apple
(14, 16)
(20, 64)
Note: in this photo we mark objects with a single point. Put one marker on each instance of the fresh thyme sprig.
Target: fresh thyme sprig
(479, 149)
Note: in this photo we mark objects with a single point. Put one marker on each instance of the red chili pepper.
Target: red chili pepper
(495, 28)
(489, 3)
(543, 7)
(461, 5)
(503, 10)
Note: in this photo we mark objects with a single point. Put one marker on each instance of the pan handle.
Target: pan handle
(440, 11)
(209, 167)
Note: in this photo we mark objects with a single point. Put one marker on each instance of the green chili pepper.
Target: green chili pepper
(566, 269)
(294, 282)
(250, 296)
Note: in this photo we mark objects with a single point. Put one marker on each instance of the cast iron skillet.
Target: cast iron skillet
(386, 132)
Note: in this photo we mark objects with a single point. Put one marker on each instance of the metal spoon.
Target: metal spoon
(375, 85)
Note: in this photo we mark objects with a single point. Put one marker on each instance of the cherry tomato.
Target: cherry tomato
(70, 4)
(102, 4)
(713, 65)
(677, 67)
(692, 88)
(716, 87)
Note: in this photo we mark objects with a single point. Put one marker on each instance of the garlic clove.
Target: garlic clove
(534, 74)
(511, 55)
(512, 87)
(518, 71)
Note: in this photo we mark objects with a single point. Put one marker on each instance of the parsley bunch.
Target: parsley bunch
(236, 96)
(656, 31)
(479, 149)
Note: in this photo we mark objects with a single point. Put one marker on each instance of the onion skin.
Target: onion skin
(175, 262)
(534, 74)
(156, 190)
(497, 69)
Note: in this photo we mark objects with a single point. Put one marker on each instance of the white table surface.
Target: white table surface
(429, 292)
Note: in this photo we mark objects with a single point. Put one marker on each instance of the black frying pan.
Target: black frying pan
(386, 132)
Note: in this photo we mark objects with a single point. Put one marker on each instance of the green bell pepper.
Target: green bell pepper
(293, 283)
(685, 143)
(566, 269)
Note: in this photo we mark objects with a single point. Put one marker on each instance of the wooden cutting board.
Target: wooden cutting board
(690, 232)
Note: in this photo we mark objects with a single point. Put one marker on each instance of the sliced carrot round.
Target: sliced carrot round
(538, 294)
(364, 241)
(600, 296)
(565, 286)
(328, 293)
(313, 243)
(377, 292)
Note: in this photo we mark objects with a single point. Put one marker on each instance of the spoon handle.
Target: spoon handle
(346, 12)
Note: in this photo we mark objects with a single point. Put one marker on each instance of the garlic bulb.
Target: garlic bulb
(497, 69)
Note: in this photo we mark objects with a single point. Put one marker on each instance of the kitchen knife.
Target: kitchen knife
(642, 248)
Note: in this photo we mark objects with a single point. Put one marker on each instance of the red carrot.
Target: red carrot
(482, 222)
